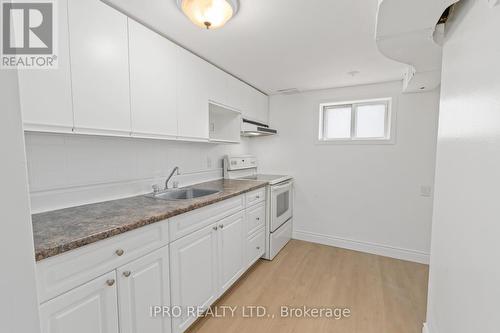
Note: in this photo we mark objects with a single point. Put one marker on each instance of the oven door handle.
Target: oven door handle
(280, 187)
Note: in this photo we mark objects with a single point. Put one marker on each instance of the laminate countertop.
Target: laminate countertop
(58, 231)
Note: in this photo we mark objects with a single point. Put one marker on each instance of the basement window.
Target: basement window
(361, 122)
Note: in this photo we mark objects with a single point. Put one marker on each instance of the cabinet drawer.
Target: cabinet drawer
(64, 272)
(187, 223)
(256, 217)
(255, 197)
(256, 246)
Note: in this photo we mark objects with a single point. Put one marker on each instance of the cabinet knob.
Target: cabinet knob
(126, 273)
(221, 226)
(110, 282)
(119, 252)
(215, 228)
(258, 219)
(258, 247)
(258, 197)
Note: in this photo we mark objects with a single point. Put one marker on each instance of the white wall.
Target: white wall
(71, 170)
(365, 197)
(464, 293)
(18, 297)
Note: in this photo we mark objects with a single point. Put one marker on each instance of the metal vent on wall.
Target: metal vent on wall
(288, 91)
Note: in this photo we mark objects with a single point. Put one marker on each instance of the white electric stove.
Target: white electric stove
(279, 200)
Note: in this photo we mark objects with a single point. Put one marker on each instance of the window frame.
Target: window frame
(389, 125)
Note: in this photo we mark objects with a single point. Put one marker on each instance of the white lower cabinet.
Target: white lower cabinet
(212, 248)
(232, 249)
(205, 264)
(91, 307)
(117, 302)
(142, 284)
(193, 264)
(256, 247)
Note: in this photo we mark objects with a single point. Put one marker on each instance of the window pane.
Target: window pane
(338, 123)
(370, 121)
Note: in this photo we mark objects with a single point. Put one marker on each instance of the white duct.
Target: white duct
(406, 32)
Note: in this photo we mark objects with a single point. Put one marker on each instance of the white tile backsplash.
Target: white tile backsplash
(69, 170)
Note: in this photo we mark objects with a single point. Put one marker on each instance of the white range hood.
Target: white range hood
(252, 128)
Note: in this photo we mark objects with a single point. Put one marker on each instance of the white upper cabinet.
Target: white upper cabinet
(153, 65)
(235, 93)
(259, 107)
(217, 88)
(100, 68)
(117, 77)
(253, 104)
(46, 94)
(192, 96)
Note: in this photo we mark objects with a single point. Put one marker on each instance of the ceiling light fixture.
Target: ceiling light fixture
(209, 14)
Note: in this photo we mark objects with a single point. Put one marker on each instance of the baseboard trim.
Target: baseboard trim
(373, 248)
(426, 329)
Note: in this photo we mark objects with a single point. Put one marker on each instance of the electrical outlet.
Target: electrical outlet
(425, 191)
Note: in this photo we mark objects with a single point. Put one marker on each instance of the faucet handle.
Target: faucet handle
(175, 184)
(156, 188)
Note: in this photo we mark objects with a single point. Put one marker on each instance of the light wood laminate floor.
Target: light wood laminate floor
(384, 295)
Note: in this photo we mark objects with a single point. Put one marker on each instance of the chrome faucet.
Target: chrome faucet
(171, 175)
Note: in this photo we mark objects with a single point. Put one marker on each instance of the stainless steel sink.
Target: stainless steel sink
(182, 194)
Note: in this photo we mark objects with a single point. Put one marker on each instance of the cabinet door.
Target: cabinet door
(99, 67)
(261, 107)
(46, 94)
(235, 93)
(193, 267)
(141, 284)
(217, 88)
(192, 96)
(91, 307)
(232, 237)
(152, 82)
(255, 105)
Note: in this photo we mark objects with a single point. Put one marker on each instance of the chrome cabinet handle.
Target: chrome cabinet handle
(215, 228)
(221, 226)
(126, 273)
(119, 252)
(110, 282)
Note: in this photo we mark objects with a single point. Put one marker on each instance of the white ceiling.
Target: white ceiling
(281, 44)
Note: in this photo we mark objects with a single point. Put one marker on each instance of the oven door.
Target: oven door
(281, 204)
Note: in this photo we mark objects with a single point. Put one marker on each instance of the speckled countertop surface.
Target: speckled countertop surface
(66, 229)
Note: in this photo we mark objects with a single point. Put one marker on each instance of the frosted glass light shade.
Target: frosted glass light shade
(208, 14)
